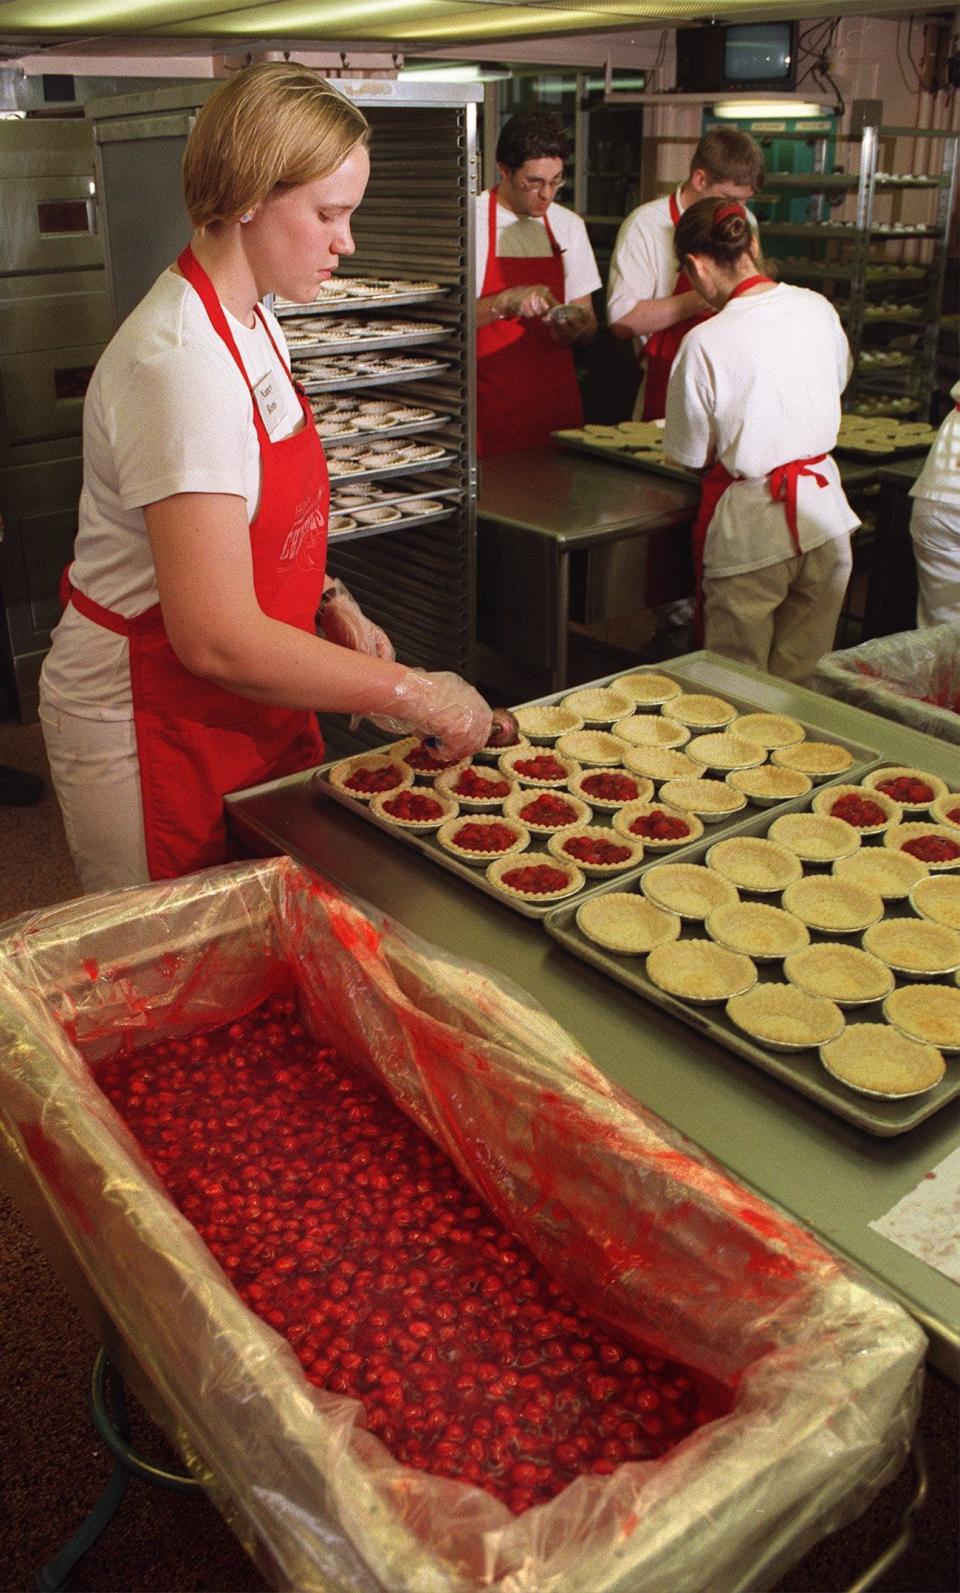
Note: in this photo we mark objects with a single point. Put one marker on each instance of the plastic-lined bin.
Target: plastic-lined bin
(913, 677)
(665, 1247)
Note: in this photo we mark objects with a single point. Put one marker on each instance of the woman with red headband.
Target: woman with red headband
(754, 401)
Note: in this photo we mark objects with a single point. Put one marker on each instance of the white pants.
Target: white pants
(935, 532)
(96, 775)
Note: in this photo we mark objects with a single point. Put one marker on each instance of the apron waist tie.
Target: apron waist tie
(783, 488)
(106, 617)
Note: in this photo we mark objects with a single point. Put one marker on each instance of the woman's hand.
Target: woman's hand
(343, 621)
(444, 706)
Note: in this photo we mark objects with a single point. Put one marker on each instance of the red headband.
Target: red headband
(733, 209)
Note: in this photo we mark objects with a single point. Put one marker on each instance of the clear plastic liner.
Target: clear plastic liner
(913, 677)
(665, 1246)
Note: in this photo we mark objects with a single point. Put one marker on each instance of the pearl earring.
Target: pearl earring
(247, 216)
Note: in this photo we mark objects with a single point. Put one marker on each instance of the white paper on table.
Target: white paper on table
(926, 1222)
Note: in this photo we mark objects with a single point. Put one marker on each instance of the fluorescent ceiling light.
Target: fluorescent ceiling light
(756, 110)
(468, 72)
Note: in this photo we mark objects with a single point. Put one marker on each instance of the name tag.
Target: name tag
(269, 401)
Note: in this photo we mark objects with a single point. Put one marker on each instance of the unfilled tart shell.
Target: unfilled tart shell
(844, 974)
(757, 930)
(900, 836)
(754, 864)
(786, 1018)
(558, 846)
(836, 906)
(768, 783)
(818, 759)
(700, 971)
(937, 897)
(726, 750)
(710, 799)
(891, 874)
(915, 946)
(688, 889)
(495, 872)
(627, 923)
(651, 730)
(596, 747)
(648, 689)
(770, 730)
(928, 1013)
(662, 763)
(876, 1059)
(447, 833)
(599, 705)
(814, 838)
(546, 721)
(701, 711)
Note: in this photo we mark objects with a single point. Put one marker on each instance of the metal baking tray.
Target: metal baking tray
(405, 523)
(334, 384)
(359, 345)
(434, 487)
(801, 1070)
(407, 428)
(864, 758)
(353, 303)
(877, 456)
(441, 462)
(635, 457)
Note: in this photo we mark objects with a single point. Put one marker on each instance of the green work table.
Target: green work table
(829, 1174)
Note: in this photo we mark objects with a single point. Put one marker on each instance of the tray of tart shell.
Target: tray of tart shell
(582, 775)
(862, 1015)
(340, 371)
(351, 294)
(343, 418)
(638, 443)
(310, 336)
(383, 456)
(365, 517)
(882, 437)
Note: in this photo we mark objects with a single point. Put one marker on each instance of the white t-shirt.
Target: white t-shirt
(526, 237)
(940, 477)
(759, 385)
(643, 264)
(166, 411)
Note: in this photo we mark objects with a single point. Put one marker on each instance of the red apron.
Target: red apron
(782, 482)
(661, 347)
(526, 381)
(196, 740)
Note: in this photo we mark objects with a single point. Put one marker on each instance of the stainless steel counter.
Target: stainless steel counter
(829, 1175)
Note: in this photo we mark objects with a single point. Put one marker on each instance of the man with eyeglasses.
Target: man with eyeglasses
(535, 274)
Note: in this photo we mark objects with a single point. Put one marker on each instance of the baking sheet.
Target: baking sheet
(441, 462)
(320, 306)
(802, 1070)
(357, 439)
(406, 522)
(360, 345)
(637, 458)
(434, 487)
(864, 758)
(333, 384)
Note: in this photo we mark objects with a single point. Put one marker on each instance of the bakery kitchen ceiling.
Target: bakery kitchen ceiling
(42, 24)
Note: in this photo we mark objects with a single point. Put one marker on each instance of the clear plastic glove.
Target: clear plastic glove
(567, 321)
(441, 706)
(527, 300)
(343, 621)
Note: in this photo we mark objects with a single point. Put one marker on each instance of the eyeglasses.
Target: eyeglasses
(532, 185)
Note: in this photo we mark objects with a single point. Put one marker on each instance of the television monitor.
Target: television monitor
(719, 58)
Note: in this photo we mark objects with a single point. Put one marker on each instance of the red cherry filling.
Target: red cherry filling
(607, 787)
(474, 784)
(535, 878)
(932, 849)
(423, 758)
(659, 826)
(352, 1234)
(954, 815)
(543, 767)
(413, 805)
(906, 788)
(592, 849)
(484, 837)
(548, 810)
(383, 779)
(857, 810)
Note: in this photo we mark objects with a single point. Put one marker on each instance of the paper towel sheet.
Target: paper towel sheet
(926, 1222)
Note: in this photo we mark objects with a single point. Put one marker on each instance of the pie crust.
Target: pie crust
(814, 838)
(623, 819)
(768, 784)
(449, 828)
(936, 897)
(824, 800)
(662, 763)
(592, 746)
(341, 522)
(943, 807)
(648, 690)
(915, 946)
(897, 771)
(785, 1018)
(599, 705)
(489, 754)
(875, 1059)
(339, 773)
(701, 711)
(546, 721)
(843, 974)
(765, 933)
(899, 834)
(446, 782)
(836, 906)
(651, 730)
(521, 799)
(515, 755)
(413, 744)
(725, 750)
(596, 832)
(625, 922)
(771, 730)
(818, 759)
(642, 793)
(700, 971)
(928, 1013)
(688, 889)
(753, 864)
(891, 874)
(449, 810)
(495, 871)
(711, 799)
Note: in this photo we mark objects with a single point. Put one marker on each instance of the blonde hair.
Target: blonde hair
(273, 125)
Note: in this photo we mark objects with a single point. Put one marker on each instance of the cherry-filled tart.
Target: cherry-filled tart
(543, 812)
(480, 837)
(426, 762)
(538, 766)
(656, 825)
(869, 811)
(369, 775)
(609, 789)
(475, 787)
(913, 789)
(937, 845)
(535, 878)
(414, 808)
(596, 849)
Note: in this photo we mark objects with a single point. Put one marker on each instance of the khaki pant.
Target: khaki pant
(782, 618)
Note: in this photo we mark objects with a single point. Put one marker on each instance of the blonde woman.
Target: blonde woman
(187, 662)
